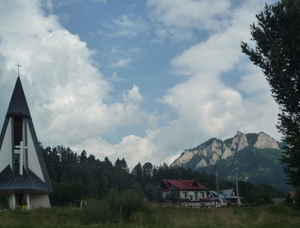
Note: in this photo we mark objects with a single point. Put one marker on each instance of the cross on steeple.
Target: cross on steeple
(18, 68)
(21, 151)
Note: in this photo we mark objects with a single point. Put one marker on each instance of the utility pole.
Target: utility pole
(217, 183)
(237, 187)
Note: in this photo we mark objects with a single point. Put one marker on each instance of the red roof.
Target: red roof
(182, 185)
(293, 194)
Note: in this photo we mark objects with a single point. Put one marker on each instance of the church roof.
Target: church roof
(18, 104)
(26, 182)
(10, 180)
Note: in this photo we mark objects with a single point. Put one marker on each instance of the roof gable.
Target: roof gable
(182, 185)
(228, 192)
(18, 104)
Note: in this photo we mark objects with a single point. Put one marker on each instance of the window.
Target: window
(17, 165)
(18, 128)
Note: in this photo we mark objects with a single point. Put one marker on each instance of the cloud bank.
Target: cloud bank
(69, 96)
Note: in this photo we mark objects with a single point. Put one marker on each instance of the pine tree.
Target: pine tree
(277, 53)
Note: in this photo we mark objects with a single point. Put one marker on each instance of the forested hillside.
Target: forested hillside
(253, 165)
(78, 176)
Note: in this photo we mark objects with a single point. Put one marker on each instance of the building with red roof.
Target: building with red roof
(189, 192)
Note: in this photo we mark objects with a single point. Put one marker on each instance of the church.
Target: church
(23, 175)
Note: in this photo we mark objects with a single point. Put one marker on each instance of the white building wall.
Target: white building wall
(12, 201)
(6, 149)
(183, 194)
(37, 201)
(197, 195)
(33, 161)
(28, 201)
(193, 195)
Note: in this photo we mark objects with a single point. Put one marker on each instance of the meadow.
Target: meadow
(97, 214)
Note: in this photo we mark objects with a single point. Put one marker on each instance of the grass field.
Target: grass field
(160, 216)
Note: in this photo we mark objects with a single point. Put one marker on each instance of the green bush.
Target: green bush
(297, 199)
(3, 202)
(97, 211)
(116, 207)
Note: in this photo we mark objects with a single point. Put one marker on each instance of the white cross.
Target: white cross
(22, 147)
(18, 68)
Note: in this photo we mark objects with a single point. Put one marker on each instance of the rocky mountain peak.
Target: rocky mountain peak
(265, 141)
(239, 142)
(185, 157)
(211, 151)
(256, 155)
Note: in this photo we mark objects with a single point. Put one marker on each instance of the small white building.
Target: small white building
(225, 197)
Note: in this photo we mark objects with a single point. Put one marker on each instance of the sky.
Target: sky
(140, 80)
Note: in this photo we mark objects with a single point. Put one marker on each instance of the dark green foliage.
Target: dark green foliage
(173, 195)
(153, 193)
(96, 212)
(77, 177)
(228, 142)
(125, 203)
(264, 193)
(122, 165)
(297, 198)
(281, 145)
(67, 193)
(137, 172)
(83, 158)
(147, 171)
(251, 138)
(24, 201)
(277, 53)
(255, 165)
(3, 202)
(289, 199)
(107, 162)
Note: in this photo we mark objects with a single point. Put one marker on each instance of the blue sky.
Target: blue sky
(142, 80)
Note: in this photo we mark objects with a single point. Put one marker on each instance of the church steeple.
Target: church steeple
(18, 104)
(22, 166)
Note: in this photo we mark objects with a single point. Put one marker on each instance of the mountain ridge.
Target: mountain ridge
(215, 149)
(255, 156)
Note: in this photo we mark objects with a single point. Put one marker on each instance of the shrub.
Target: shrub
(3, 202)
(116, 207)
(297, 198)
(97, 211)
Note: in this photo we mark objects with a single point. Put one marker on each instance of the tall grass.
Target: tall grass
(45, 218)
(115, 208)
(124, 210)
